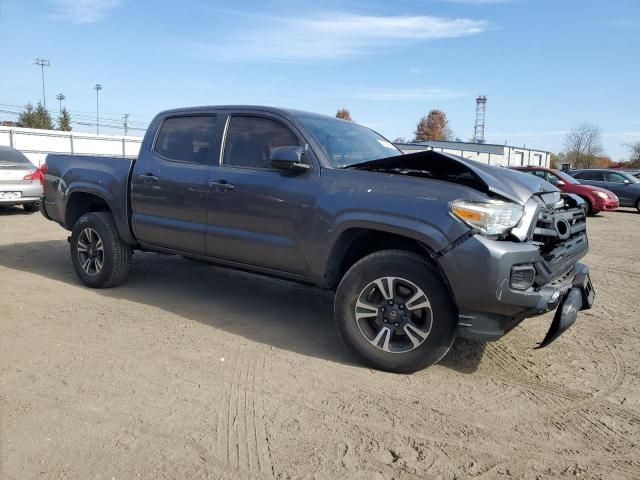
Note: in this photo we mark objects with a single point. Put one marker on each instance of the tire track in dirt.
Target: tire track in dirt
(241, 436)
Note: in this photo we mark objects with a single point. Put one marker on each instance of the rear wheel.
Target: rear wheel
(30, 207)
(99, 256)
(393, 309)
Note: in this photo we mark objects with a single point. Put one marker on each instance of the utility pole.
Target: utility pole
(60, 97)
(97, 87)
(43, 62)
(126, 123)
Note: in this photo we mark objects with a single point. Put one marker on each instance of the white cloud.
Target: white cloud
(83, 11)
(333, 36)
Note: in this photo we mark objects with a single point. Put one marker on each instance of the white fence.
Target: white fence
(36, 144)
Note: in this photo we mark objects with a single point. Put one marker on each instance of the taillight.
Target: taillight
(38, 174)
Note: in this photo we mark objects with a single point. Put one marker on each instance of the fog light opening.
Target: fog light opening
(522, 276)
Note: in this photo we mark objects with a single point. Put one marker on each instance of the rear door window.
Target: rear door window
(592, 175)
(250, 141)
(186, 138)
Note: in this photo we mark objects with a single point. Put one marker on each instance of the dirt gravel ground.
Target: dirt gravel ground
(193, 371)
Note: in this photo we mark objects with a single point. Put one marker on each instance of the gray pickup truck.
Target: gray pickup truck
(420, 248)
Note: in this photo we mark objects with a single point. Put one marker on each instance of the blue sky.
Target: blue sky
(545, 65)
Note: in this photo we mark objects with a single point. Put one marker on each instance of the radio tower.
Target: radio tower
(481, 106)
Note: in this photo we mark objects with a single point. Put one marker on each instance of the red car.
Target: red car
(598, 199)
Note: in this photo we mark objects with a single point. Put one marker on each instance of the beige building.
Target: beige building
(504, 155)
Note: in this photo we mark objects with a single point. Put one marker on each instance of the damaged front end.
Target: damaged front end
(520, 258)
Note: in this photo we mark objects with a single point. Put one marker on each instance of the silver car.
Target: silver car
(19, 180)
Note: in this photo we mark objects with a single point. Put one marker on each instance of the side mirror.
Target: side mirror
(561, 183)
(288, 158)
(626, 182)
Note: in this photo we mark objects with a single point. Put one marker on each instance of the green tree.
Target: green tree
(64, 121)
(38, 117)
(344, 114)
(26, 119)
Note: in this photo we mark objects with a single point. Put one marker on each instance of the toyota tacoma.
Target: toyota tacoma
(419, 248)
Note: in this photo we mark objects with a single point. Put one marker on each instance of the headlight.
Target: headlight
(491, 218)
(601, 195)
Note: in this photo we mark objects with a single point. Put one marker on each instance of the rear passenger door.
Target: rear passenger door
(169, 186)
(259, 215)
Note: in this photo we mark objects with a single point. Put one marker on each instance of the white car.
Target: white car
(20, 180)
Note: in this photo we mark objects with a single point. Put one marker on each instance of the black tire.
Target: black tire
(115, 254)
(589, 207)
(638, 205)
(415, 270)
(30, 207)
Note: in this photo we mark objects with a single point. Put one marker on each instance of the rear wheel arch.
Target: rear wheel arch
(81, 202)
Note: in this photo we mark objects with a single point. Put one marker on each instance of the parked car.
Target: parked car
(20, 181)
(420, 248)
(623, 184)
(598, 199)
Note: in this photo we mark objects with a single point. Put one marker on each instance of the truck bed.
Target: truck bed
(70, 176)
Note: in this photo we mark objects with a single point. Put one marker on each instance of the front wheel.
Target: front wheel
(393, 309)
(100, 257)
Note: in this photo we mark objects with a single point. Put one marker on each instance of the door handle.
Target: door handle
(222, 185)
(148, 178)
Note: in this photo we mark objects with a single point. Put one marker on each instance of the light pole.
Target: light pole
(43, 62)
(97, 87)
(126, 123)
(60, 97)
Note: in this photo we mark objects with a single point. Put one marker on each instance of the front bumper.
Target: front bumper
(479, 274)
(609, 204)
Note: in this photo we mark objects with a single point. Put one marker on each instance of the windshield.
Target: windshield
(565, 177)
(346, 143)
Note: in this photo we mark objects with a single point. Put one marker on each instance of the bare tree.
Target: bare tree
(584, 145)
(400, 140)
(344, 114)
(634, 148)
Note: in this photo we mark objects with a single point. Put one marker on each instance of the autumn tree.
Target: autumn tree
(344, 114)
(434, 126)
(634, 149)
(64, 121)
(38, 117)
(584, 145)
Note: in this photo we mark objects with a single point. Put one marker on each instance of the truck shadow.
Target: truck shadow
(270, 311)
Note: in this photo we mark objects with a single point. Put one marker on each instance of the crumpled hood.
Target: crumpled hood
(513, 185)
